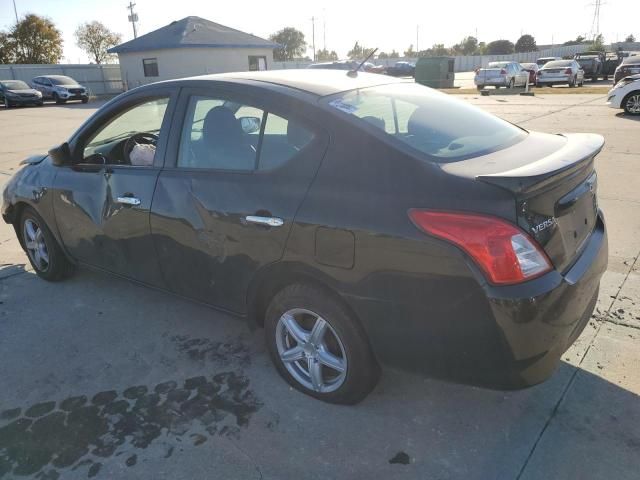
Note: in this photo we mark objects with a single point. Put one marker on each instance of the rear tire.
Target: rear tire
(572, 83)
(293, 315)
(479, 87)
(512, 82)
(45, 255)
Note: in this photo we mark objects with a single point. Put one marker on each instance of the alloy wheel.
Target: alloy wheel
(633, 104)
(311, 350)
(36, 245)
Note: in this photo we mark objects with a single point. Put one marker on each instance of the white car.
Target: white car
(501, 74)
(559, 72)
(626, 95)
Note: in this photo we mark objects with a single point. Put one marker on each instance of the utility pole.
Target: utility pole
(133, 18)
(15, 10)
(324, 33)
(313, 36)
(417, 38)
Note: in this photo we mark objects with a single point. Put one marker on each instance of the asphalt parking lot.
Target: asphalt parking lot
(103, 378)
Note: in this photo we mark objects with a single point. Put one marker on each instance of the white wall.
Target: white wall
(187, 62)
(99, 79)
(466, 63)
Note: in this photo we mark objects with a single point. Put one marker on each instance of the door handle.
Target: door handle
(268, 221)
(129, 200)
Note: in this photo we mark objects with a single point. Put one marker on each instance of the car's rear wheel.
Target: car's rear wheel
(318, 347)
(631, 103)
(511, 83)
(45, 255)
(572, 83)
(479, 87)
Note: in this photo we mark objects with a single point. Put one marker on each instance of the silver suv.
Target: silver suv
(60, 88)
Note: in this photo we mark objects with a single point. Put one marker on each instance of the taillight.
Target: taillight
(503, 72)
(505, 253)
(568, 71)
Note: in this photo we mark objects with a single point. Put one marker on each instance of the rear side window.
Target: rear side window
(225, 135)
(432, 123)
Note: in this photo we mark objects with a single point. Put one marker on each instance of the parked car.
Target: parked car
(60, 88)
(629, 66)
(559, 72)
(532, 68)
(626, 95)
(373, 68)
(501, 74)
(543, 60)
(402, 69)
(17, 92)
(598, 64)
(368, 220)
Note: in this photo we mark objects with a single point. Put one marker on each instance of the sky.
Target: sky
(339, 23)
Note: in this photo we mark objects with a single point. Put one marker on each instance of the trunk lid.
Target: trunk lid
(491, 72)
(554, 184)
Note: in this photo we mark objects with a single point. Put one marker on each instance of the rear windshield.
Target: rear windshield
(63, 81)
(558, 64)
(15, 85)
(429, 122)
(635, 59)
(498, 64)
(529, 65)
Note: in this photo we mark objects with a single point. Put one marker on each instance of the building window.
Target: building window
(150, 66)
(257, 63)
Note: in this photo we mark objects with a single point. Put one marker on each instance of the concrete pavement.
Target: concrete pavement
(102, 378)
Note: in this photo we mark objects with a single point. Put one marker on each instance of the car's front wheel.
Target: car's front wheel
(45, 255)
(58, 100)
(6, 103)
(631, 103)
(318, 347)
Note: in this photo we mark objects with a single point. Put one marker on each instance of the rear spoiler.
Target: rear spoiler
(579, 151)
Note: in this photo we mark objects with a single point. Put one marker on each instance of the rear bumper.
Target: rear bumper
(493, 81)
(553, 79)
(498, 337)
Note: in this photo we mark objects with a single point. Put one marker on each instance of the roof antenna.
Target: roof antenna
(354, 73)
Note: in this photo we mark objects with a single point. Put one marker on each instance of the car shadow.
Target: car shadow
(9, 270)
(135, 376)
(625, 116)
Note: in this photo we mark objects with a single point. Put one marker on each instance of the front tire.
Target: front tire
(631, 103)
(6, 103)
(45, 255)
(59, 101)
(318, 346)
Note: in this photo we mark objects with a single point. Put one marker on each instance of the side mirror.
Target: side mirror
(250, 124)
(61, 155)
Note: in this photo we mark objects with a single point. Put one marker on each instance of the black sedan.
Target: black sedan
(629, 66)
(17, 92)
(362, 220)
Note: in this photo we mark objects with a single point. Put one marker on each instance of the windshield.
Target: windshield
(63, 80)
(431, 123)
(15, 85)
(558, 64)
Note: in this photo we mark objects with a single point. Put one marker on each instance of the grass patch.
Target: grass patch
(538, 91)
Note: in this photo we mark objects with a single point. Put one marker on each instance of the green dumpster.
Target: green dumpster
(436, 72)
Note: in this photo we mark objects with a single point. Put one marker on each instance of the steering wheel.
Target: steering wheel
(137, 139)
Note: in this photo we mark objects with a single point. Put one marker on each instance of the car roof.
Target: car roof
(54, 76)
(317, 82)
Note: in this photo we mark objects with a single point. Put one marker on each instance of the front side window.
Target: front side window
(431, 123)
(130, 138)
(221, 134)
(150, 67)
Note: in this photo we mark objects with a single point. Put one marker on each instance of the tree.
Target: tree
(410, 52)
(95, 39)
(468, 46)
(482, 49)
(383, 55)
(292, 44)
(630, 38)
(37, 40)
(526, 43)
(500, 47)
(358, 52)
(598, 43)
(7, 49)
(579, 40)
(437, 50)
(326, 55)
(394, 54)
